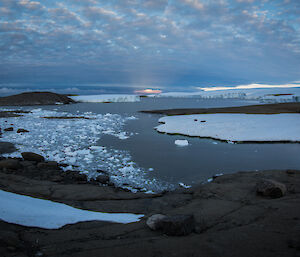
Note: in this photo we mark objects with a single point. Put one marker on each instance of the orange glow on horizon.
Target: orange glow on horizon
(148, 91)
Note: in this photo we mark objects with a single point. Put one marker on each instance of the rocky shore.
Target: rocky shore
(242, 214)
(250, 109)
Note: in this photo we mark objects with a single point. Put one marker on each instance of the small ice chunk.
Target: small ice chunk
(184, 185)
(181, 142)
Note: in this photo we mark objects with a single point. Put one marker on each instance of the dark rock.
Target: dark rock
(78, 177)
(155, 221)
(10, 164)
(178, 225)
(271, 188)
(57, 178)
(294, 243)
(51, 165)
(63, 165)
(35, 98)
(290, 172)
(203, 120)
(8, 238)
(22, 131)
(27, 163)
(103, 172)
(103, 179)
(6, 147)
(28, 156)
(9, 129)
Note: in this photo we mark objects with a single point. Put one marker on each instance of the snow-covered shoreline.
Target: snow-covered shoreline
(33, 212)
(235, 127)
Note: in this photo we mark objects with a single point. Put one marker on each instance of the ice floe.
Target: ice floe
(34, 212)
(235, 127)
(77, 142)
(181, 142)
(106, 98)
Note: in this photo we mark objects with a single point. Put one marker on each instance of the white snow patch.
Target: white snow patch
(181, 142)
(235, 127)
(106, 98)
(34, 212)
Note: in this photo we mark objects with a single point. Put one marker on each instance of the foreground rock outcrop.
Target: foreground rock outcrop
(226, 217)
(35, 98)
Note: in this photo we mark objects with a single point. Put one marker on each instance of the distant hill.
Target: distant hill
(35, 98)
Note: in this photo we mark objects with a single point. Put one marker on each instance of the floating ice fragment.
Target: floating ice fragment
(181, 142)
(184, 185)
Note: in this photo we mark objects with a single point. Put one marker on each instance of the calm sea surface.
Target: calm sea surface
(202, 158)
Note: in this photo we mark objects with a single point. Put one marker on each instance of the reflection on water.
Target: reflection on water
(202, 158)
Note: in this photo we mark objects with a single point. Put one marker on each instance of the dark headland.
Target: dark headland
(35, 98)
(242, 214)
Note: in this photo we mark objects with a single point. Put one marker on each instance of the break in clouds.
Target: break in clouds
(149, 43)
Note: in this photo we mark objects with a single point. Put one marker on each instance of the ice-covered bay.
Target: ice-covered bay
(77, 142)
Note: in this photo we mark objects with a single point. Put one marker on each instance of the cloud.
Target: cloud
(179, 42)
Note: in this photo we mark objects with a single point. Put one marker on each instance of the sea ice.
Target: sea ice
(34, 212)
(106, 98)
(181, 142)
(77, 142)
(235, 127)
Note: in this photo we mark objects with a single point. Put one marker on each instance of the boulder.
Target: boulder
(10, 164)
(22, 131)
(155, 221)
(28, 156)
(103, 179)
(176, 225)
(78, 177)
(51, 165)
(6, 147)
(270, 188)
(9, 129)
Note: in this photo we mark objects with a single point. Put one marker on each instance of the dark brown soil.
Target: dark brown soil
(34, 98)
(231, 219)
(250, 109)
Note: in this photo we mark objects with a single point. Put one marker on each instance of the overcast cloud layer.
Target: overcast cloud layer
(158, 44)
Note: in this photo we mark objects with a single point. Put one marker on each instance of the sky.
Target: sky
(76, 46)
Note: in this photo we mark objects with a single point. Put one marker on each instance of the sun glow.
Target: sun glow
(148, 91)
